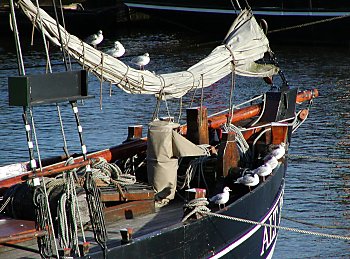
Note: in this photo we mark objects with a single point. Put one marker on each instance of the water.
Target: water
(317, 191)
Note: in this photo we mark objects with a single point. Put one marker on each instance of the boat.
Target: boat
(286, 21)
(188, 190)
(76, 15)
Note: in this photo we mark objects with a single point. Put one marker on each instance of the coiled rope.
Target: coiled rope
(196, 205)
(241, 141)
(110, 172)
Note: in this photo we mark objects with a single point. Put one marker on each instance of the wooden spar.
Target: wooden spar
(251, 111)
(22, 237)
(49, 171)
(128, 149)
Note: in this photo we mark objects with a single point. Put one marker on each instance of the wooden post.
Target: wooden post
(195, 193)
(197, 125)
(134, 132)
(228, 153)
(126, 234)
(279, 134)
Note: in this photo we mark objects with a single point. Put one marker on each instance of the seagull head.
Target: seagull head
(227, 189)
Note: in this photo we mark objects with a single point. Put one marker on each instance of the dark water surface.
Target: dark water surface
(317, 191)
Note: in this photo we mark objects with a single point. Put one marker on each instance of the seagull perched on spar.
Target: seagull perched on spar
(95, 39)
(141, 61)
(117, 51)
(221, 198)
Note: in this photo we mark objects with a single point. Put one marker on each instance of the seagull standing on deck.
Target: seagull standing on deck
(249, 179)
(280, 151)
(271, 160)
(117, 51)
(95, 39)
(263, 170)
(221, 198)
(141, 61)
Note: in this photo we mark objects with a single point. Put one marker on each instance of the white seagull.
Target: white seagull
(142, 60)
(271, 160)
(117, 51)
(279, 151)
(248, 179)
(263, 170)
(95, 39)
(221, 198)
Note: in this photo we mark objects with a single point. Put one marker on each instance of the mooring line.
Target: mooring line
(318, 158)
(310, 23)
(277, 227)
(313, 224)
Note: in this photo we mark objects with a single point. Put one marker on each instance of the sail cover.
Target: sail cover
(244, 44)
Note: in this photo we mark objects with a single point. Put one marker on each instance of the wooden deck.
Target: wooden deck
(141, 225)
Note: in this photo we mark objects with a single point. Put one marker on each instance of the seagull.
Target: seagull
(271, 160)
(95, 39)
(263, 170)
(221, 198)
(279, 151)
(248, 179)
(141, 61)
(117, 51)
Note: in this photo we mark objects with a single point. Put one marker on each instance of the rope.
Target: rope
(314, 225)
(277, 227)
(310, 23)
(241, 141)
(318, 158)
(110, 172)
(194, 166)
(196, 206)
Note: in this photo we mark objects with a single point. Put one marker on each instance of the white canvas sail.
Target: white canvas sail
(244, 44)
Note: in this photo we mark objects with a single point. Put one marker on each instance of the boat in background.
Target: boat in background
(99, 15)
(302, 21)
(147, 197)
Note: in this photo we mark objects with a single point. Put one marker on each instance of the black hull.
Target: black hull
(213, 237)
(300, 23)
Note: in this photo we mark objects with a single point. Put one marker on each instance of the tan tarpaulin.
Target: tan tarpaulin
(164, 147)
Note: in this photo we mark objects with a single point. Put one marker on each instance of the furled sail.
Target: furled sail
(244, 44)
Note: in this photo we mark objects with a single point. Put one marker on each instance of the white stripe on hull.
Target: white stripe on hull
(251, 232)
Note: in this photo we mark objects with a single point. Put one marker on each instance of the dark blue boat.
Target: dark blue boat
(288, 21)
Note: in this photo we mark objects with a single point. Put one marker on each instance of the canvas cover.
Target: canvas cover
(244, 44)
(164, 147)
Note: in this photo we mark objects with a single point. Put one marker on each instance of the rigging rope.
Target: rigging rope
(310, 23)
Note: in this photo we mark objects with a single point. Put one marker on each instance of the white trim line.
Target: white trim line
(249, 233)
(226, 11)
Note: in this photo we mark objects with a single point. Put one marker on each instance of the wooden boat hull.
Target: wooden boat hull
(213, 237)
(209, 236)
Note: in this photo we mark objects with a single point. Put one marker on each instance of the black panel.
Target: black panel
(47, 88)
